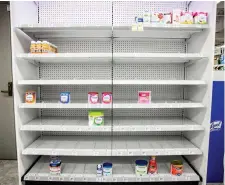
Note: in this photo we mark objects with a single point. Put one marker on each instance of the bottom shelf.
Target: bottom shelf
(83, 169)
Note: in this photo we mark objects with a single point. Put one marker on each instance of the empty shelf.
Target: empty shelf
(108, 145)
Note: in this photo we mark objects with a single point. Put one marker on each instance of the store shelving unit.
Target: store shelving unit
(100, 53)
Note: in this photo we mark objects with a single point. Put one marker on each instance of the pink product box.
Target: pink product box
(144, 97)
(106, 97)
(93, 97)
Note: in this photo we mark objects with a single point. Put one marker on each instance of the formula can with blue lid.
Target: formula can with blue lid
(141, 167)
(107, 169)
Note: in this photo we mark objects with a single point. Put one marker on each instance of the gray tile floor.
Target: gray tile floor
(8, 173)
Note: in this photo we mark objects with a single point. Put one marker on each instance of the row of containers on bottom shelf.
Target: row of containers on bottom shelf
(142, 167)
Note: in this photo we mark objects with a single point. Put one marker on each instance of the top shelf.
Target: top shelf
(170, 31)
(43, 31)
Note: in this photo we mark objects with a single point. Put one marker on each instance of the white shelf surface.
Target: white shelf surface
(159, 30)
(149, 58)
(157, 104)
(66, 30)
(159, 82)
(116, 105)
(119, 125)
(110, 82)
(58, 105)
(64, 82)
(111, 146)
(84, 169)
(68, 57)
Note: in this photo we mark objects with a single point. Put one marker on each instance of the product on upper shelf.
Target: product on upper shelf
(139, 24)
(33, 47)
(186, 18)
(200, 17)
(107, 169)
(106, 97)
(157, 17)
(99, 170)
(96, 118)
(146, 17)
(30, 97)
(167, 18)
(176, 16)
(152, 166)
(45, 47)
(176, 167)
(144, 96)
(42, 47)
(38, 47)
(65, 97)
(141, 167)
(139, 19)
(55, 165)
(93, 97)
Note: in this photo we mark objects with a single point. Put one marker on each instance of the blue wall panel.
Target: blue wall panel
(216, 143)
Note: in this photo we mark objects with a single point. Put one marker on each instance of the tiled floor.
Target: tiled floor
(8, 173)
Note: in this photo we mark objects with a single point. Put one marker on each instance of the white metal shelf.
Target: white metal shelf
(117, 105)
(157, 104)
(159, 30)
(72, 30)
(58, 105)
(82, 169)
(118, 58)
(44, 31)
(108, 146)
(62, 58)
(64, 82)
(119, 125)
(149, 58)
(159, 82)
(110, 82)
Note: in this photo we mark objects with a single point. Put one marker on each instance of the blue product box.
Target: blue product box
(65, 97)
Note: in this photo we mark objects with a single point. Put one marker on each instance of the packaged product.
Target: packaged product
(141, 167)
(167, 18)
(45, 47)
(176, 167)
(65, 97)
(186, 18)
(139, 19)
(144, 97)
(176, 16)
(96, 118)
(93, 97)
(146, 17)
(106, 97)
(55, 165)
(30, 97)
(107, 169)
(38, 47)
(134, 27)
(99, 170)
(33, 47)
(152, 167)
(140, 26)
(200, 18)
(157, 17)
